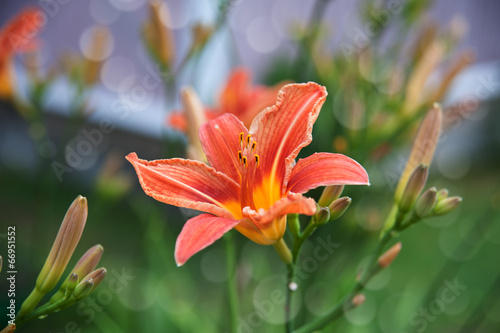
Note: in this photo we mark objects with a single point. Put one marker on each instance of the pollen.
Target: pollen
(241, 138)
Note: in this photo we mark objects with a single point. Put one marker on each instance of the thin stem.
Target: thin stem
(297, 245)
(232, 287)
(283, 251)
(288, 298)
(346, 303)
(29, 304)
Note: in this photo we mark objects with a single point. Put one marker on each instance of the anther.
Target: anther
(257, 159)
(254, 145)
(245, 161)
(241, 138)
(248, 140)
(240, 155)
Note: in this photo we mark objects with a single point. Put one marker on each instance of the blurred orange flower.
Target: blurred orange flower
(17, 36)
(238, 97)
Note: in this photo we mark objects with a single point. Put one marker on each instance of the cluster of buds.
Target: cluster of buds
(331, 205)
(82, 280)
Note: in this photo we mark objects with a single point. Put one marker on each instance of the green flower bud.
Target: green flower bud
(338, 207)
(83, 289)
(415, 184)
(322, 216)
(83, 267)
(425, 203)
(446, 205)
(330, 193)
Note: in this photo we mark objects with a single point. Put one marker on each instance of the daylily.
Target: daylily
(253, 181)
(16, 36)
(238, 97)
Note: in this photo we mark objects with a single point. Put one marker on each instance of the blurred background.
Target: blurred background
(103, 80)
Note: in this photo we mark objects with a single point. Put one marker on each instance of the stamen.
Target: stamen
(254, 145)
(241, 138)
(240, 155)
(257, 159)
(248, 140)
(245, 161)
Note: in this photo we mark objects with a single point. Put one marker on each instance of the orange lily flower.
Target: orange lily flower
(16, 36)
(254, 181)
(239, 97)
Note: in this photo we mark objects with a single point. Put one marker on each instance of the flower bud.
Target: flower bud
(442, 194)
(446, 205)
(72, 282)
(92, 66)
(195, 116)
(322, 216)
(416, 183)
(338, 207)
(83, 267)
(330, 193)
(66, 241)
(83, 289)
(96, 276)
(388, 257)
(425, 203)
(158, 37)
(423, 147)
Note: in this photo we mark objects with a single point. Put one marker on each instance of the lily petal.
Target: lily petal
(190, 184)
(323, 169)
(19, 34)
(198, 233)
(269, 225)
(289, 126)
(220, 142)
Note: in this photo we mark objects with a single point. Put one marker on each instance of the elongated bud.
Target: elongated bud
(158, 36)
(83, 289)
(442, 194)
(338, 207)
(99, 43)
(83, 267)
(201, 33)
(96, 276)
(330, 193)
(322, 216)
(195, 116)
(66, 241)
(431, 58)
(9, 329)
(358, 300)
(423, 147)
(464, 60)
(446, 205)
(413, 189)
(425, 203)
(72, 282)
(388, 257)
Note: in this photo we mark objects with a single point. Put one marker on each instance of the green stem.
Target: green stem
(283, 251)
(297, 245)
(288, 298)
(29, 304)
(346, 303)
(232, 287)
